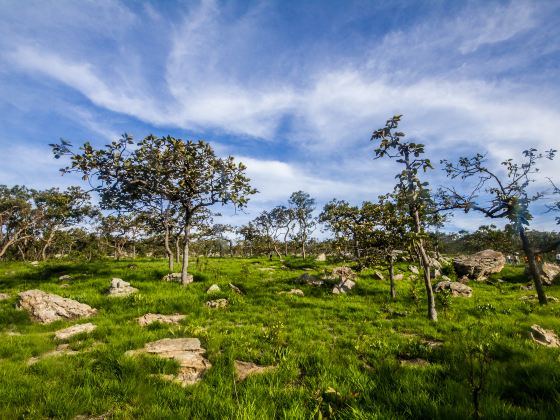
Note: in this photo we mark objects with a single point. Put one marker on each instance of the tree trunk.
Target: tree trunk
(47, 244)
(303, 248)
(425, 261)
(533, 267)
(178, 249)
(184, 274)
(390, 260)
(168, 250)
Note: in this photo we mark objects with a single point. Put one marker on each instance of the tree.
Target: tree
(303, 206)
(185, 173)
(504, 196)
(60, 210)
(411, 193)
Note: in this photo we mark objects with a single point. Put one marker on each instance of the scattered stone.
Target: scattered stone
(245, 369)
(4, 296)
(437, 273)
(65, 277)
(176, 277)
(235, 289)
(214, 288)
(297, 292)
(265, 269)
(457, 289)
(545, 337)
(536, 297)
(479, 265)
(343, 273)
(445, 278)
(549, 273)
(218, 303)
(132, 266)
(398, 276)
(119, 287)
(321, 257)
(47, 308)
(464, 280)
(66, 333)
(527, 287)
(148, 319)
(61, 350)
(378, 275)
(309, 279)
(64, 286)
(343, 287)
(104, 416)
(413, 269)
(415, 362)
(186, 351)
(34, 263)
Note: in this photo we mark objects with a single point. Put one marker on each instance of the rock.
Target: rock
(343, 287)
(235, 289)
(378, 275)
(437, 273)
(413, 269)
(119, 287)
(64, 286)
(148, 319)
(549, 273)
(535, 297)
(176, 277)
(321, 257)
(132, 266)
(34, 263)
(415, 362)
(343, 273)
(445, 278)
(297, 292)
(214, 288)
(218, 303)
(4, 296)
(245, 369)
(479, 265)
(545, 337)
(47, 308)
(464, 280)
(65, 277)
(66, 333)
(457, 289)
(398, 276)
(186, 351)
(309, 280)
(61, 350)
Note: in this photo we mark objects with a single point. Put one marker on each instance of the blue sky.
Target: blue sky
(292, 88)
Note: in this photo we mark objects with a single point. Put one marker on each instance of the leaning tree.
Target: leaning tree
(499, 194)
(185, 173)
(411, 192)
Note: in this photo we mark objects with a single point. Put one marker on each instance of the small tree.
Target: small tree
(505, 196)
(185, 173)
(412, 193)
(303, 206)
(345, 221)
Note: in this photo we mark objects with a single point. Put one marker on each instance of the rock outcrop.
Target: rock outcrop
(213, 289)
(186, 351)
(46, 307)
(457, 289)
(544, 337)
(479, 265)
(549, 272)
(343, 287)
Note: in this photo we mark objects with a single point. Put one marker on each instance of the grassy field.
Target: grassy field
(355, 356)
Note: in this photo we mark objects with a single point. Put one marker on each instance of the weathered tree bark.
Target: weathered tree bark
(178, 249)
(533, 267)
(168, 251)
(186, 240)
(391, 262)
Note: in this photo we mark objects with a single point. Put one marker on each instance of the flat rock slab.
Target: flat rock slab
(457, 289)
(544, 337)
(416, 362)
(119, 287)
(46, 307)
(61, 350)
(218, 303)
(186, 351)
(66, 333)
(246, 369)
(297, 292)
(164, 319)
(4, 296)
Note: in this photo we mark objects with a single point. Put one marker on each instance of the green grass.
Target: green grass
(337, 356)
